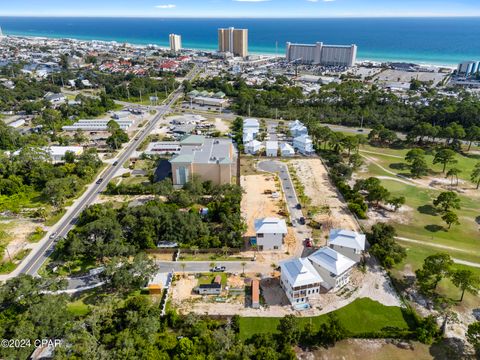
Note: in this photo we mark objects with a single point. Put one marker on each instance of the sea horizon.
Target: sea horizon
(434, 41)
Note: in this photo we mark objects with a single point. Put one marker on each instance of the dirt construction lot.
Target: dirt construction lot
(256, 205)
(322, 193)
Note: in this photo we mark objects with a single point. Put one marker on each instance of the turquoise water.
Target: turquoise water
(422, 40)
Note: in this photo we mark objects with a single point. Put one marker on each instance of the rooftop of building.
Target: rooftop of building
(347, 238)
(270, 225)
(198, 149)
(300, 272)
(331, 260)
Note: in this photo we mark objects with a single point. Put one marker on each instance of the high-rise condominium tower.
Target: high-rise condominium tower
(175, 42)
(234, 41)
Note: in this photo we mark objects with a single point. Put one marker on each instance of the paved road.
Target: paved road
(301, 231)
(34, 261)
(204, 266)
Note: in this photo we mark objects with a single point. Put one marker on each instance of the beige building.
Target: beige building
(234, 41)
(209, 158)
(175, 42)
(321, 54)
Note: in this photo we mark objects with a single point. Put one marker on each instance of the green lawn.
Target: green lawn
(78, 308)
(361, 316)
(386, 157)
(208, 278)
(424, 224)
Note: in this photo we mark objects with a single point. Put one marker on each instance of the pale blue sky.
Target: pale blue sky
(241, 8)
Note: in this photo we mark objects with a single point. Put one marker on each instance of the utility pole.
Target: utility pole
(248, 110)
(361, 124)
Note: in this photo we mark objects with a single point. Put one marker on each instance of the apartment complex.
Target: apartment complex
(234, 41)
(175, 42)
(209, 158)
(321, 54)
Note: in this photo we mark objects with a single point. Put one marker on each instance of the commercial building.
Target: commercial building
(97, 125)
(270, 233)
(320, 54)
(163, 148)
(299, 280)
(209, 158)
(234, 41)
(468, 68)
(57, 153)
(175, 42)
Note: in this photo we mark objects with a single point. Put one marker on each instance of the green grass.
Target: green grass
(36, 236)
(22, 254)
(78, 308)
(427, 226)
(54, 218)
(386, 157)
(208, 278)
(361, 316)
(7, 267)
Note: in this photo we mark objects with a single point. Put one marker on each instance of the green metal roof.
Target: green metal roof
(193, 139)
(182, 158)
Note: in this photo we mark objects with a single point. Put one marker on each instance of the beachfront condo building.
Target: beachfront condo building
(321, 54)
(234, 41)
(468, 68)
(175, 42)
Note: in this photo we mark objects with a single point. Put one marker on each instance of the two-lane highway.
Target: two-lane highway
(34, 261)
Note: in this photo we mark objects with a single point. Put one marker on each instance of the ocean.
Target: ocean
(441, 41)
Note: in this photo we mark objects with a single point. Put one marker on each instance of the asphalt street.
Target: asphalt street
(32, 264)
(301, 231)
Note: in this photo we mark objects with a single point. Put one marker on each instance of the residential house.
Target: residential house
(348, 243)
(271, 148)
(209, 158)
(251, 128)
(286, 150)
(299, 280)
(253, 147)
(214, 288)
(303, 144)
(270, 233)
(333, 267)
(57, 153)
(298, 129)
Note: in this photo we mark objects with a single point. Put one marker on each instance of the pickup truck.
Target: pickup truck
(218, 269)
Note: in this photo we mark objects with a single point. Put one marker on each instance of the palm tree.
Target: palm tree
(194, 248)
(243, 267)
(225, 250)
(183, 265)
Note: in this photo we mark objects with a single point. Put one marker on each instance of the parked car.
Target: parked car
(299, 206)
(301, 221)
(308, 243)
(218, 269)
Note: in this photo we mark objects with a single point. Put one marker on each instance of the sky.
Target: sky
(241, 8)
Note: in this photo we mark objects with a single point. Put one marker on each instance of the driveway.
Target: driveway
(301, 231)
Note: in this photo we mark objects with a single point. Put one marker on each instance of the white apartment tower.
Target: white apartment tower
(175, 42)
(321, 54)
(234, 41)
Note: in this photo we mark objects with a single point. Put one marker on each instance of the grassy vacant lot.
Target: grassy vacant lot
(247, 165)
(362, 315)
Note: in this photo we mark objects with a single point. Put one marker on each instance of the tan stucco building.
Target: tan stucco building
(209, 158)
(234, 41)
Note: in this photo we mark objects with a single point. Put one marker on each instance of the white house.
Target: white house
(270, 233)
(298, 129)
(333, 267)
(272, 148)
(253, 147)
(348, 243)
(286, 150)
(251, 128)
(248, 135)
(303, 144)
(57, 153)
(55, 99)
(299, 280)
